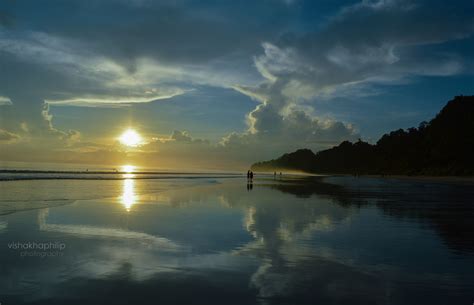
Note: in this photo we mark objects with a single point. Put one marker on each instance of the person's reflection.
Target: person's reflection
(249, 186)
(128, 196)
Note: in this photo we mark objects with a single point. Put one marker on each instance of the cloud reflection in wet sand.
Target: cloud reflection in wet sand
(290, 242)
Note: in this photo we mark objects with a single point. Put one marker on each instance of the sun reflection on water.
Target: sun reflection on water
(129, 197)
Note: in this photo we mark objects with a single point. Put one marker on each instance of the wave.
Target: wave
(14, 175)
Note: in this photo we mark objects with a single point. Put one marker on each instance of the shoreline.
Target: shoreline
(439, 179)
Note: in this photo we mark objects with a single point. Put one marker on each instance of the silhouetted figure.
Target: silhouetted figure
(251, 176)
(248, 174)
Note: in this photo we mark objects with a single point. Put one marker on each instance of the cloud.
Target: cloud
(157, 50)
(271, 133)
(35, 128)
(365, 44)
(5, 101)
(167, 31)
(69, 136)
(118, 101)
(86, 78)
(281, 121)
(181, 136)
(370, 43)
(184, 136)
(8, 137)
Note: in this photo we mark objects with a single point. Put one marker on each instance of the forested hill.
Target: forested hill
(443, 146)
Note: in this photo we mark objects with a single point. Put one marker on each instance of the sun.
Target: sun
(130, 138)
(128, 168)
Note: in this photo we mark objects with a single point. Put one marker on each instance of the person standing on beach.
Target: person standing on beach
(251, 175)
(248, 174)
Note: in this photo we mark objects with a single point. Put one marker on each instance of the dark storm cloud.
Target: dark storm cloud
(373, 41)
(169, 31)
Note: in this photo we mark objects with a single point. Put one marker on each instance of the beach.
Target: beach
(216, 240)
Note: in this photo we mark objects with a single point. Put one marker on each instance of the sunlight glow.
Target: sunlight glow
(131, 138)
(128, 169)
(128, 196)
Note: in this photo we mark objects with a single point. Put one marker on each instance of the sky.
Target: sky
(222, 84)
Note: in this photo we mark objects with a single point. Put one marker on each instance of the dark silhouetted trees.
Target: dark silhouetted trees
(443, 146)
